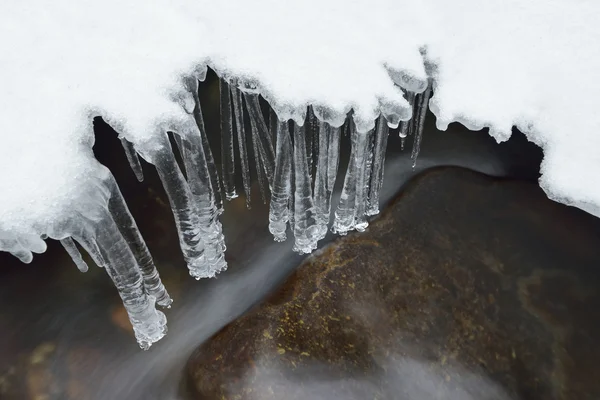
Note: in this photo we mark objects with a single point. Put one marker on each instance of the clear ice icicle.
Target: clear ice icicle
(184, 210)
(238, 112)
(279, 212)
(419, 123)
(124, 220)
(149, 324)
(261, 134)
(260, 172)
(306, 230)
(380, 146)
(212, 167)
(363, 157)
(132, 157)
(273, 125)
(326, 171)
(196, 164)
(345, 214)
(227, 153)
(72, 250)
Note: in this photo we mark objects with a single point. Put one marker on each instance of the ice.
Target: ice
(376, 178)
(279, 211)
(345, 213)
(133, 159)
(227, 152)
(197, 166)
(149, 325)
(126, 224)
(261, 136)
(203, 145)
(240, 130)
(72, 250)
(419, 123)
(306, 230)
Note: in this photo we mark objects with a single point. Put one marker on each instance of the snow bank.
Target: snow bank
(533, 64)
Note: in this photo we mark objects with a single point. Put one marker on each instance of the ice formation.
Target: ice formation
(322, 67)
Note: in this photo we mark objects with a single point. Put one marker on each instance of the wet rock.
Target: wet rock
(465, 288)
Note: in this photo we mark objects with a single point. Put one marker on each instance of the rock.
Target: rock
(466, 287)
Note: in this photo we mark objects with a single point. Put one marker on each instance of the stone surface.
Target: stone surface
(465, 288)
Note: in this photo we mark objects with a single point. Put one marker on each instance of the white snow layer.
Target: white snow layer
(498, 63)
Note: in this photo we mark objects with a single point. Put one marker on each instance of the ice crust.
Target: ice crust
(499, 63)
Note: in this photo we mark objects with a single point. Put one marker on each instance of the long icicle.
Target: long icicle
(345, 213)
(279, 212)
(149, 324)
(260, 171)
(306, 230)
(126, 223)
(238, 112)
(212, 167)
(326, 172)
(196, 163)
(72, 250)
(227, 153)
(261, 133)
(273, 125)
(133, 159)
(184, 210)
(420, 123)
(381, 138)
(364, 152)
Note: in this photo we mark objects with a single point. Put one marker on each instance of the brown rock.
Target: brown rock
(465, 288)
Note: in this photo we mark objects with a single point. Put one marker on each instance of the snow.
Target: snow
(498, 63)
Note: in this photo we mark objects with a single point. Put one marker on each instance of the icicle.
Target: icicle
(306, 230)
(238, 112)
(364, 151)
(260, 172)
(273, 125)
(184, 211)
(311, 129)
(326, 171)
(196, 163)
(345, 214)
(279, 212)
(149, 325)
(227, 153)
(88, 242)
(419, 123)
(72, 250)
(261, 134)
(129, 230)
(212, 167)
(381, 137)
(132, 157)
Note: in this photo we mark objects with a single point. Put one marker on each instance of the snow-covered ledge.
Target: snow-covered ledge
(498, 63)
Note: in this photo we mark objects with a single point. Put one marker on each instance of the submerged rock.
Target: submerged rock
(466, 287)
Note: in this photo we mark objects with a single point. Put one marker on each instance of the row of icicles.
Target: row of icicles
(285, 156)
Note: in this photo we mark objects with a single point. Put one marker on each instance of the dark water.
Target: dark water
(65, 335)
